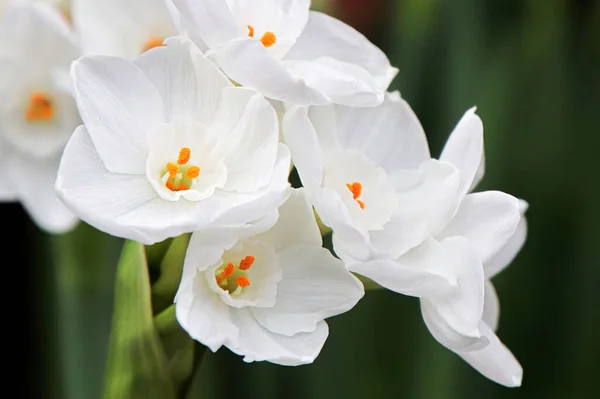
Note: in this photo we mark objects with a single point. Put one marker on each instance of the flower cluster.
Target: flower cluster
(187, 116)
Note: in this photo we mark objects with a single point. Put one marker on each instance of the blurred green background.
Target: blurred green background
(533, 69)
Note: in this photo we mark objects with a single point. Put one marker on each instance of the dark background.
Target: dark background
(533, 69)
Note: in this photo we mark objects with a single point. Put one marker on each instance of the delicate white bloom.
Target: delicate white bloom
(37, 111)
(124, 28)
(265, 295)
(169, 146)
(399, 217)
(286, 51)
(495, 360)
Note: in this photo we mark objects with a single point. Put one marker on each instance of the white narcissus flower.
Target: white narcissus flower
(399, 217)
(265, 296)
(287, 52)
(169, 146)
(37, 111)
(124, 28)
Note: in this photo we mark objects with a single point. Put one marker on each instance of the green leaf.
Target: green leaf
(171, 269)
(137, 366)
(178, 346)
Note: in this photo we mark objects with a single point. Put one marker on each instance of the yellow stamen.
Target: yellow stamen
(268, 39)
(193, 172)
(250, 31)
(242, 281)
(247, 262)
(184, 156)
(228, 271)
(172, 169)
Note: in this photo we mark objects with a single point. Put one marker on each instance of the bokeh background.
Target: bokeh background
(533, 69)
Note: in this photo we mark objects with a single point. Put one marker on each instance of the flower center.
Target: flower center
(180, 176)
(40, 109)
(268, 39)
(234, 279)
(154, 41)
(356, 190)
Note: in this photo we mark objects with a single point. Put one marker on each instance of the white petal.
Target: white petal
(340, 82)
(300, 136)
(427, 199)
(296, 224)
(120, 204)
(209, 20)
(488, 220)
(390, 134)
(453, 318)
(315, 286)
(120, 28)
(257, 343)
(203, 315)
(464, 149)
(247, 62)
(491, 306)
(39, 31)
(298, 11)
(171, 70)
(191, 85)
(423, 271)
(253, 139)
(333, 212)
(327, 36)
(508, 252)
(35, 188)
(243, 208)
(120, 107)
(495, 361)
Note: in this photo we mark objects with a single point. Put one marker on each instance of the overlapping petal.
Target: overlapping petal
(119, 106)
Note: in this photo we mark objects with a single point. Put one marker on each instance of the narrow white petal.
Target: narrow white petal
(325, 36)
(422, 272)
(453, 318)
(300, 136)
(495, 361)
(257, 343)
(120, 107)
(315, 286)
(488, 220)
(507, 254)
(296, 224)
(491, 306)
(464, 149)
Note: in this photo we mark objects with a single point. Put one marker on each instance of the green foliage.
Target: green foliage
(137, 366)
